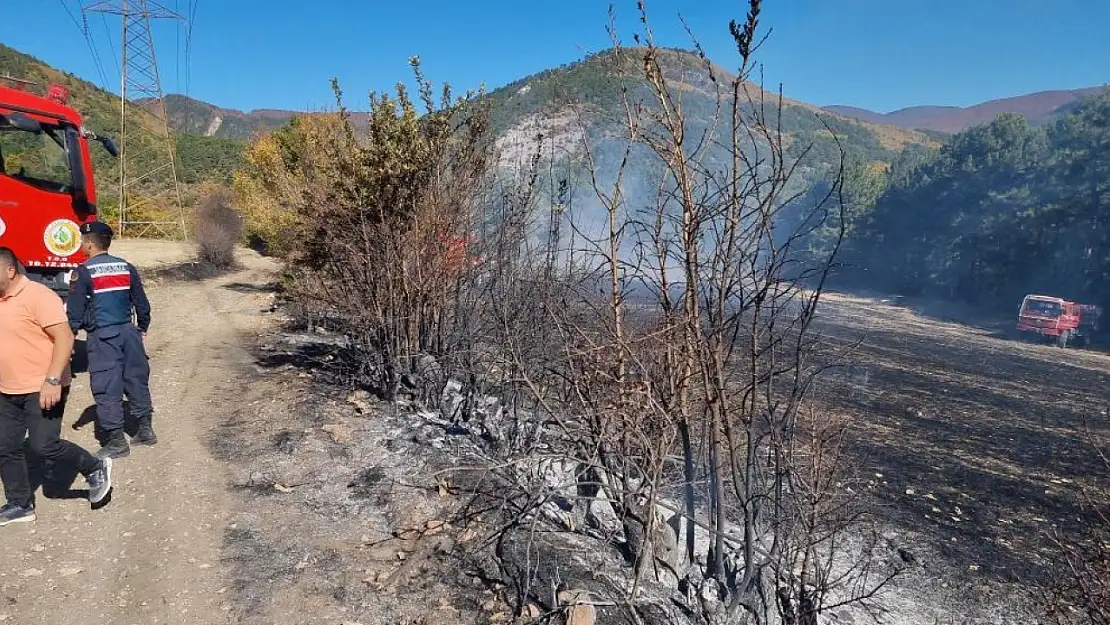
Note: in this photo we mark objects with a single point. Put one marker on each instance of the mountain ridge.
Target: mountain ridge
(1038, 107)
(199, 117)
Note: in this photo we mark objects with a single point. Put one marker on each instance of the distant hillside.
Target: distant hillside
(1003, 209)
(210, 138)
(583, 99)
(200, 158)
(201, 118)
(543, 103)
(189, 115)
(1038, 108)
(523, 104)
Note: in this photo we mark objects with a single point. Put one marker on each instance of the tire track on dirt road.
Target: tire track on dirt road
(154, 554)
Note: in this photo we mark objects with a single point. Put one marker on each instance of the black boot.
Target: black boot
(145, 435)
(116, 447)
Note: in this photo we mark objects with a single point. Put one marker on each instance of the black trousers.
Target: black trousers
(20, 415)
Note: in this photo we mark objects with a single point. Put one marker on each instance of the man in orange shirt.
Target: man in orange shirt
(35, 346)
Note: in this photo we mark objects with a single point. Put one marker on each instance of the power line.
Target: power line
(92, 49)
(192, 16)
(111, 46)
(177, 51)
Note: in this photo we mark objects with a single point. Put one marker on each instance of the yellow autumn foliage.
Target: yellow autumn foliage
(273, 189)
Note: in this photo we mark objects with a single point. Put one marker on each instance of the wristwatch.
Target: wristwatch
(53, 381)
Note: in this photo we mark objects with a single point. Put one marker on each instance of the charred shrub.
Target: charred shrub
(219, 228)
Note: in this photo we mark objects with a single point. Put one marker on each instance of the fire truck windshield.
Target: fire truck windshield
(38, 159)
(1041, 308)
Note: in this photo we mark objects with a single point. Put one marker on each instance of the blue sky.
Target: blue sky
(877, 54)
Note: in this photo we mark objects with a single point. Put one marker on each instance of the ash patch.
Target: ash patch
(333, 526)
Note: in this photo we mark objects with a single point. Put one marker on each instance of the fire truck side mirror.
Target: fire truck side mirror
(109, 145)
(19, 121)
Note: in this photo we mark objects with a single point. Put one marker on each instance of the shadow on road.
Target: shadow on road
(88, 415)
(245, 287)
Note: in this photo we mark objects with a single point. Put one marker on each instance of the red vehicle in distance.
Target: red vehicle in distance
(1058, 319)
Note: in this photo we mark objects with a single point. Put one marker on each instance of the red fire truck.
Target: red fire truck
(46, 180)
(1058, 319)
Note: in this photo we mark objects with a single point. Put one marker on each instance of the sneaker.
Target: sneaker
(115, 447)
(145, 435)
(100, 482)
(15, 513)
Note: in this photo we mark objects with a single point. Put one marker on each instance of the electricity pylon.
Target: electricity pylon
(149, 189)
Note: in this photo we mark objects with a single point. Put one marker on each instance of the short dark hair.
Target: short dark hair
(100, 240)
(8, 257)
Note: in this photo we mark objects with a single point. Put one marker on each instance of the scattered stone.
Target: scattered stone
(530, 611)
(31, 573)
(581, 610)
(70, 571)
(444, 545)
(910, 491)
(360, 399)
(38, 548)
(907, 556)
(340, 433)
(407, 534)
(282, 488)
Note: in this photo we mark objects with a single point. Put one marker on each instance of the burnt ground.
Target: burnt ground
(985, 445)
(974, 446)
(339, 520)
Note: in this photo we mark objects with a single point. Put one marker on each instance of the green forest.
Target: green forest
(998, 211)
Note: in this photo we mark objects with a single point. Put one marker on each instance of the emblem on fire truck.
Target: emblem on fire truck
(62, 238)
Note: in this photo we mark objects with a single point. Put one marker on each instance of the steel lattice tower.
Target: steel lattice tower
(149, 189)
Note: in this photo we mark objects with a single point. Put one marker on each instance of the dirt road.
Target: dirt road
(153, 554)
